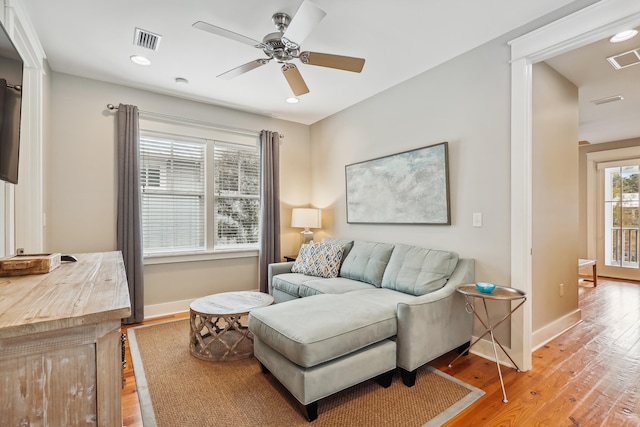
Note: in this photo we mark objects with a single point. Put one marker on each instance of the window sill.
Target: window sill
(200, 256)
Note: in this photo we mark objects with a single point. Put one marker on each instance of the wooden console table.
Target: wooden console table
(60, 344)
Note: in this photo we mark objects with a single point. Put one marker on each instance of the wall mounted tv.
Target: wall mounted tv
(11, 67)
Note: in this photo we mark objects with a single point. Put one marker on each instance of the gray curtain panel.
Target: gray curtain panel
(270, 234)
(129, 227)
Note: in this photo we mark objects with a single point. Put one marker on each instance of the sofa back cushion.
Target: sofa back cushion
(418, 271)
(319, 259)
(366, 262)
(346, 244)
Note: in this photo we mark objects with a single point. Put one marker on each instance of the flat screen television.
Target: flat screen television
(11, 68)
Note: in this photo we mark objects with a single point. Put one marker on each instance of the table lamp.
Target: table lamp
(306, 218)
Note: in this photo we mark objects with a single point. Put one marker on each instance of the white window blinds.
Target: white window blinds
(198, 195)
(237, 195)
(172, 177)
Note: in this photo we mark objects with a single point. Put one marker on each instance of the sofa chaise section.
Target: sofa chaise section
(323, 344)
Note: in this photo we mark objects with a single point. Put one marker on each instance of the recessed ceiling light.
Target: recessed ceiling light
(182, 81)
(623, 36)
(292, 100)
(140, 60)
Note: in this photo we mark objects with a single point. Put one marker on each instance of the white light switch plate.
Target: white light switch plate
(477, 219)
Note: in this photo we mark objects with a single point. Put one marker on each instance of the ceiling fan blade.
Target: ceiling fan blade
(243, 69)
(295, 80)
(303, 22)
(228, 34)
(347, 63)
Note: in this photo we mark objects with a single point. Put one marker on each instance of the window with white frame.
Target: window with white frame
(236, 195)
(198, 195)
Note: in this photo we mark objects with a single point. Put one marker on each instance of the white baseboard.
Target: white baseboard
(555, 329)
(167, 308)
(484, 348)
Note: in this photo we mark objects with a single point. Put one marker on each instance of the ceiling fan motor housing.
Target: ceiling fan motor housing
(276, 47)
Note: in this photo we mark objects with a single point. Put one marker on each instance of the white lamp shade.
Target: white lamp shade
(306, 218)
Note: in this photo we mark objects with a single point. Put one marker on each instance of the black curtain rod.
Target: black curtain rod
(112, 107)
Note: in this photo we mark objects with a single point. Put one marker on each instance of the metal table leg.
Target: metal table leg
(489, 330)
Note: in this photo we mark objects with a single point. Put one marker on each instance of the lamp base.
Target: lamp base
(306, 236)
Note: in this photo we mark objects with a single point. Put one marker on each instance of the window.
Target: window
(621, 209)
(198, 195)
(237, 195)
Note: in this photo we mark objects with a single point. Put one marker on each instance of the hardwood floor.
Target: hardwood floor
(589, 376)
(131, 416)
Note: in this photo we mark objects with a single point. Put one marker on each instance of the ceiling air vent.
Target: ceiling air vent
(626, 59)
(146, 39)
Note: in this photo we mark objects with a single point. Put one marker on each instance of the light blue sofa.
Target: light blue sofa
(390, 306)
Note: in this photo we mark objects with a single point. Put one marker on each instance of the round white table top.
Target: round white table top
(227, 303)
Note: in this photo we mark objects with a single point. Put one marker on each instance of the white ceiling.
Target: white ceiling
(399, 40)
(589, 70)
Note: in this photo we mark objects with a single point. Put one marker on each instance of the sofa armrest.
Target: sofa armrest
(433, 324)
(277, 268)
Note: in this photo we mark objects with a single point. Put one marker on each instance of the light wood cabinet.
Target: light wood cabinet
(60, 346)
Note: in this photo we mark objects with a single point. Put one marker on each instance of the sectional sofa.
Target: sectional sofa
(348, 311)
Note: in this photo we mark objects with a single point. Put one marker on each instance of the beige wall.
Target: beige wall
(80, 181)
(555, 196)
(466, 102)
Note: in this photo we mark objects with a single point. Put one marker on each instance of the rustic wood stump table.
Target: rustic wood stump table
(217, 332)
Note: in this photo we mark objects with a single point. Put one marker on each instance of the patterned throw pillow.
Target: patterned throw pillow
(319, 259)
(300, 265)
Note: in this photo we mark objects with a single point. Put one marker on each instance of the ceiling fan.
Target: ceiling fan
(284, 46)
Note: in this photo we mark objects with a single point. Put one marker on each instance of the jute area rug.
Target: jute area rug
(177, 389)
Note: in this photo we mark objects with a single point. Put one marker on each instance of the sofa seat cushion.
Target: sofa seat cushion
(382, 297)
(366, 262)
(338, 285)
(418, 271)
(314, 330)
(289, 282)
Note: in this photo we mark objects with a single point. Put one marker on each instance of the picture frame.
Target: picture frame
(411, 187)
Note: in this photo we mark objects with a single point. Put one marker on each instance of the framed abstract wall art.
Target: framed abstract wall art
(411, 187)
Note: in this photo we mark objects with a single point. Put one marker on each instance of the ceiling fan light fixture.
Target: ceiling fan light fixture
(140, 60)
(292, 100)
(623, 36)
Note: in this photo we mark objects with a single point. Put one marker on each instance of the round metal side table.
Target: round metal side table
(500, 294)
